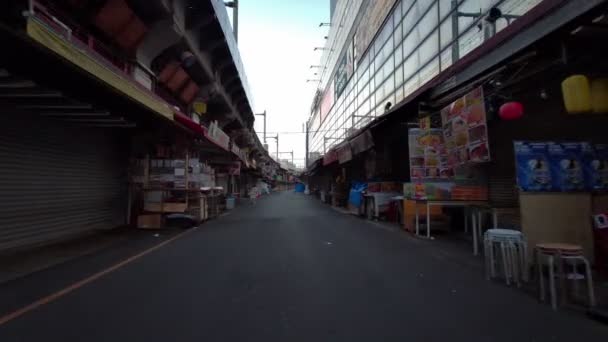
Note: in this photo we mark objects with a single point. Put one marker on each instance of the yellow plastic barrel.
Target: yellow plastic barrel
(599, 95)
(577, 94)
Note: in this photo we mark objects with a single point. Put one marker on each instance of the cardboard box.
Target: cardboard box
(149, 221)
(167, 207)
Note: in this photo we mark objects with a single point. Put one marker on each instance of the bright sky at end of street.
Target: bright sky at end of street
(276, 42)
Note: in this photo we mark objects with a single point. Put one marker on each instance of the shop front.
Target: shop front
(448, 152)
(59, 179)
(522, 147)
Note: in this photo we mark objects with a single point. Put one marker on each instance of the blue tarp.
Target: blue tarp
(355, 197)
(300, 187)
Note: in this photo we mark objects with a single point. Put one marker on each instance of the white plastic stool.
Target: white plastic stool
(514, 254)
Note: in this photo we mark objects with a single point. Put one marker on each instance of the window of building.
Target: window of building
(446, 58)
(429, 48)
(411, 85)
(389, 67)
(410, 43)
(389, 85)
(399, 76)
(399, 94)
(411, 18)
(399, 55)
(446, 33)
(406, 5)
(428, 22)
(397, 15)
(429, 71)
(380, 92)
(398, 35)
(445, 8)
(379, 76)
(423, 5)
(411, 65)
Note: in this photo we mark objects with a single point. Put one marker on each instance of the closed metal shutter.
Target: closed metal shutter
(58, 181)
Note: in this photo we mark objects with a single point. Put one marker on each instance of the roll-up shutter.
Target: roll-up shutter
(58, 181)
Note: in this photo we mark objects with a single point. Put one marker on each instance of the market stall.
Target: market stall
(447, 153)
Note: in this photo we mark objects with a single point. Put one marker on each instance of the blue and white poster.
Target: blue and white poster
(532, 163)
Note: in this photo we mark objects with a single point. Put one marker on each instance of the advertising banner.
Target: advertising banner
(374, 13)
(561, 166)
(327, 102)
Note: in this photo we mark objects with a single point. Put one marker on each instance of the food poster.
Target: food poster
(465, 130)
(532, 166)
(428, 156)
(416, 151)
(565, 161)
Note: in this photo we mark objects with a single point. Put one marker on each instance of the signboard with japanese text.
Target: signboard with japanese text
(217, 135)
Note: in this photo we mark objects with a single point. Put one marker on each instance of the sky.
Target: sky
(276, 42)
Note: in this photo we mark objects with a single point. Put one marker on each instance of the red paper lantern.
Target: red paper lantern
(511, 111)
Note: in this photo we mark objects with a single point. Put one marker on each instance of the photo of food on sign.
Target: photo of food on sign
(461, 138)
(432, 172)
(477, 134)
(446, 173)
(465, 129)
(459, 123)
(418, 173)
(479, 153)
(447, 130)
(477, 115)
(456, 108)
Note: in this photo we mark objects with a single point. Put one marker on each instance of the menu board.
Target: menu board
(428, 157)
(465, 130)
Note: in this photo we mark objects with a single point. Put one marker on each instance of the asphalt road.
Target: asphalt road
(292, 269)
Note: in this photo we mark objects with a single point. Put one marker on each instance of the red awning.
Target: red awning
(190, 124)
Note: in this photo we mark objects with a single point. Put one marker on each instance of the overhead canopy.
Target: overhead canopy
(362, 142)
(344, 152)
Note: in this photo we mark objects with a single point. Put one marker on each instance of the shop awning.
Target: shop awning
(344, 152)
(104, 72)
(189, 123)
(206, 140)
(330, 157)
(362, 142)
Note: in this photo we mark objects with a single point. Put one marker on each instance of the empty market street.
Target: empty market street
(290, 268)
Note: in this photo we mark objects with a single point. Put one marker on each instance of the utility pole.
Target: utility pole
(277, 139)
(235, 17)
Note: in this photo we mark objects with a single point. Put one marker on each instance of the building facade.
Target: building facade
(380, 52)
